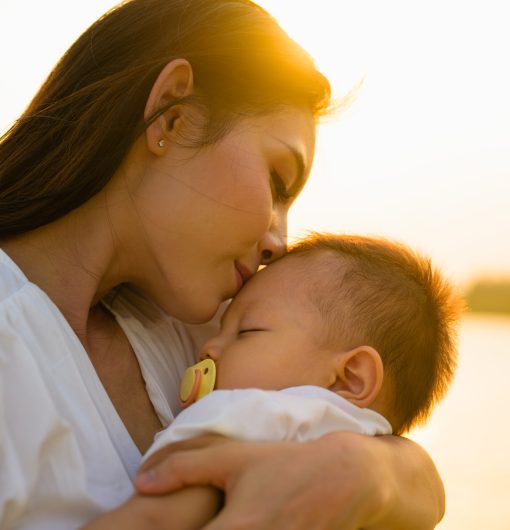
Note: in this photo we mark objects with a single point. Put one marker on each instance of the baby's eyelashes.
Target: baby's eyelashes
(249, 330)
(242, 331)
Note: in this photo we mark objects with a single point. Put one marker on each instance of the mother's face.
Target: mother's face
(207, 218)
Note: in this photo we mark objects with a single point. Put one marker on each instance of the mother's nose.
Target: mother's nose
(273, 244)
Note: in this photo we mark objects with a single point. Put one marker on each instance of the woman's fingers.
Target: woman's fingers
(286, 487)
(188, 463)
(193, 443)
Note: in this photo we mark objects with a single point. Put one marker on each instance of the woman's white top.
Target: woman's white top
(65, 455)
(299, 414)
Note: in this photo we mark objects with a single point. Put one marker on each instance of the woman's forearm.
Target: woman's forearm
(415, 497)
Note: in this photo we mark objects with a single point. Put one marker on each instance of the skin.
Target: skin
(340, 487)
(273, 336)
(154, 208)
(151, 212)
(159, 205)
(270, 336)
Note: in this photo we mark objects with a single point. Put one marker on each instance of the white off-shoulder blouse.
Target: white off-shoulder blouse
(65, 455)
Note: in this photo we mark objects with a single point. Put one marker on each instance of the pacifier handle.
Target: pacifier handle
(197, 381)
(192, 397)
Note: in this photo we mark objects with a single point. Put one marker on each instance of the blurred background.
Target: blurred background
(420, 155)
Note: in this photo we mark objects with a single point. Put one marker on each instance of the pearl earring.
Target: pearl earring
(161, 143)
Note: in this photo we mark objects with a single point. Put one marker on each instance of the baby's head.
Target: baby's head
(336, 312)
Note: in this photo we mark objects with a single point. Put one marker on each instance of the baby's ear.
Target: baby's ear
(359, 375)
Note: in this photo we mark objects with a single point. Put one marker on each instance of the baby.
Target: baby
(343, 333)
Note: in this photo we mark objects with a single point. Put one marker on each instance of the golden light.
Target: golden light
(422, 155)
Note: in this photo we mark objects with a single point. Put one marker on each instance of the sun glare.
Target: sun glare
(421, 154)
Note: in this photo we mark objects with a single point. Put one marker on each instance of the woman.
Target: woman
(147, 181)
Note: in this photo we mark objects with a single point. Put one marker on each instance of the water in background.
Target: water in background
(468, 435)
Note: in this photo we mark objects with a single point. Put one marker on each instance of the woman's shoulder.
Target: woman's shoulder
(28, 318)
(12, 279)
(53, 441)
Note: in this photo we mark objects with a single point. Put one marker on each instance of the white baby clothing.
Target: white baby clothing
(300, 414)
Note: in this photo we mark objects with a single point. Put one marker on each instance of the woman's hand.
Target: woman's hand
(342, 481)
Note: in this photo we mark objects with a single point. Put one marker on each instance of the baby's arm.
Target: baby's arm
(187, 509)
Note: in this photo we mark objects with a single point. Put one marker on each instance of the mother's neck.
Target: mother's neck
(72, 259)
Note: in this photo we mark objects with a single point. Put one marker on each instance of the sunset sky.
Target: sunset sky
(421, 155)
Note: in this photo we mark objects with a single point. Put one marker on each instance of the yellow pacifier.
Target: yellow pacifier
(197, 381)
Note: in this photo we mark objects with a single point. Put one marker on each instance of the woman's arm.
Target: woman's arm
(417, 495)
(342, 480)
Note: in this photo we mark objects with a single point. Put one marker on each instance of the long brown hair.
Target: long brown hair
(81, 124)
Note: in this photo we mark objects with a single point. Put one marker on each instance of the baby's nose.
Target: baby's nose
(210, 351)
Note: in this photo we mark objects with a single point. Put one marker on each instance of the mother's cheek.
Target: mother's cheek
(254, 209)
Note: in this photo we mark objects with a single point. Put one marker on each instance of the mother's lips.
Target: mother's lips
(244, 272)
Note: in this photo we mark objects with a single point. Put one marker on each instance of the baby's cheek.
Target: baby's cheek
(234, 373)
(222, 377)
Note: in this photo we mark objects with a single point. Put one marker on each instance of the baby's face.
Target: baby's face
(271, 334)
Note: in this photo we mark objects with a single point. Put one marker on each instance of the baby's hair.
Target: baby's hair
(382, 294)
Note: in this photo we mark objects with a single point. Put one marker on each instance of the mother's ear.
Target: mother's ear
(359, 375)
(175, 81)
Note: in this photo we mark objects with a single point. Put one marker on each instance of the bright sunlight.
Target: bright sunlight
(421, 154)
